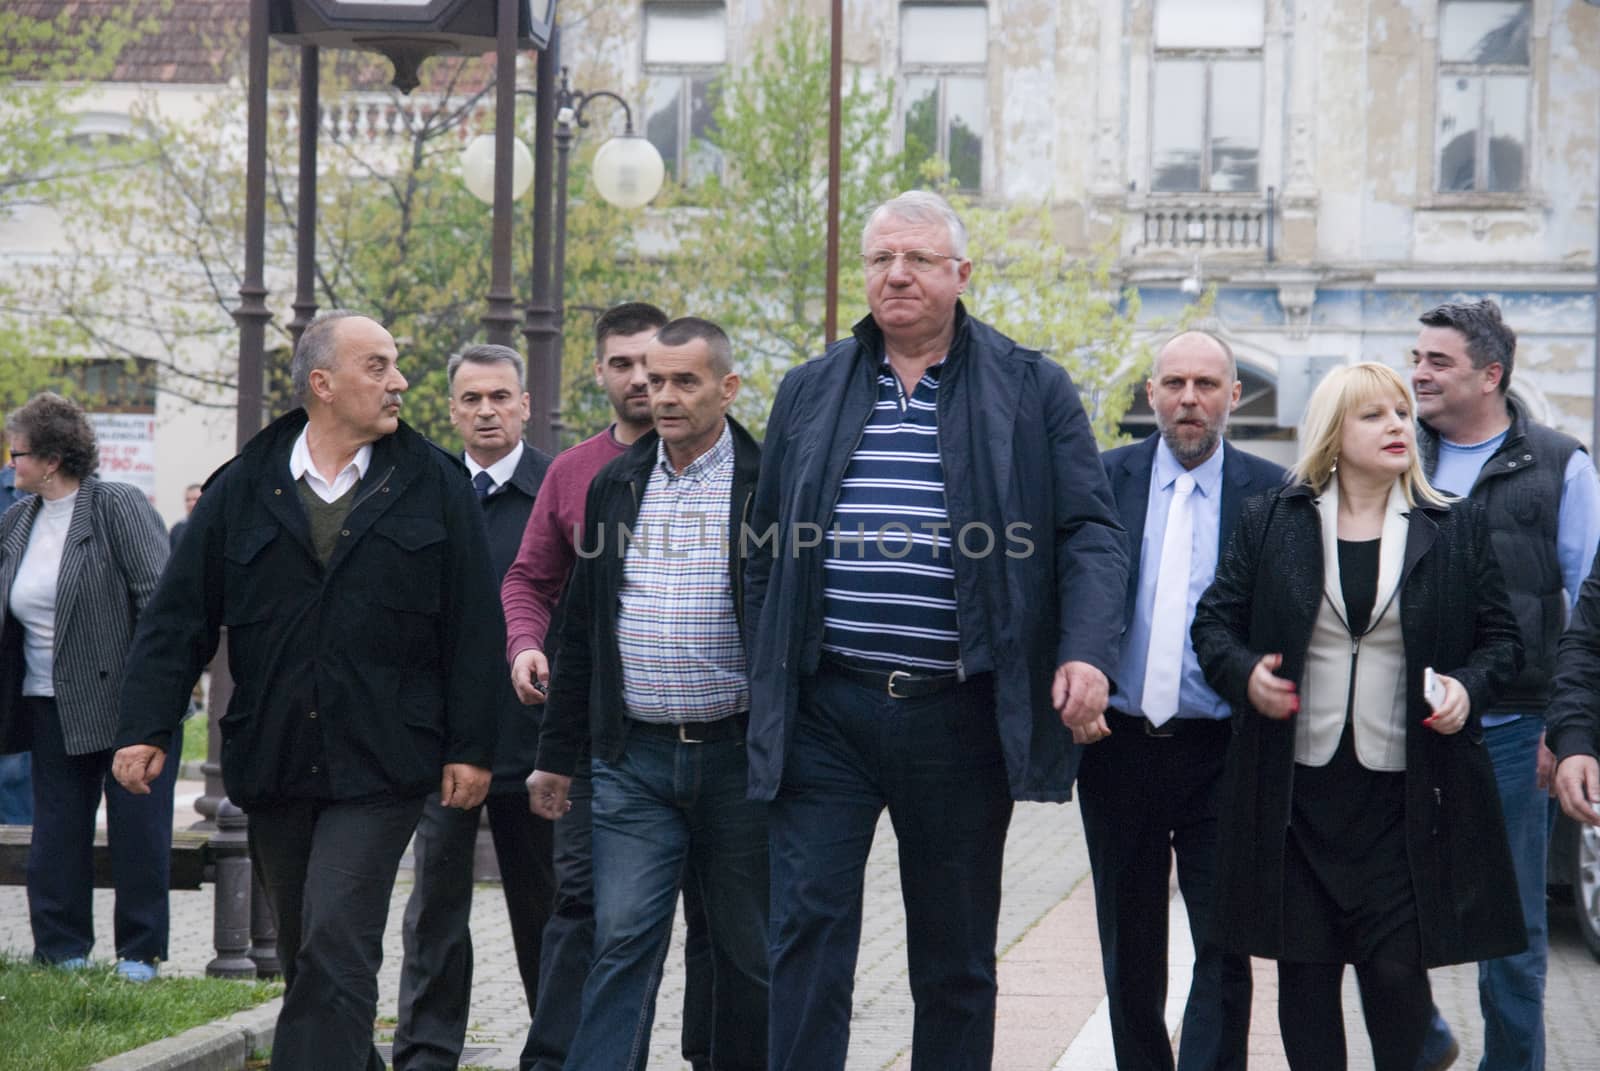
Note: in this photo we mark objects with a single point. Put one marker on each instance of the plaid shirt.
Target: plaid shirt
(682, 658)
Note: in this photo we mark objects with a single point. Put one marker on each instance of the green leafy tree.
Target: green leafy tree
(753, 255)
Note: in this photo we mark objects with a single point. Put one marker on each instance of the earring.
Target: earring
(1335, 467)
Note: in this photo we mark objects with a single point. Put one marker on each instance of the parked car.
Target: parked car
(1574, 873)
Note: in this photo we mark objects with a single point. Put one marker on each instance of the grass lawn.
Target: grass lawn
(55, 1020)
(194, 738)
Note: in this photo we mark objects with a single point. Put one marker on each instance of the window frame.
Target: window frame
(1444, 69)
(1208, 58)
(941, 72)
(683, 74)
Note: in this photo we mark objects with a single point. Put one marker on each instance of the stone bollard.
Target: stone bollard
(231, 916)
(263, 933)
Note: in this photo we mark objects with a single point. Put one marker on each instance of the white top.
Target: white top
(300, 465)
(500, 472)
(33, 593)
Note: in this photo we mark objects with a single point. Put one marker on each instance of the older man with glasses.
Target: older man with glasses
(936, 609)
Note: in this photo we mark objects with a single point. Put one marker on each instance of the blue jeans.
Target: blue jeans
(935, 763)
(664, 810)
(1511, 989)
(16, 790)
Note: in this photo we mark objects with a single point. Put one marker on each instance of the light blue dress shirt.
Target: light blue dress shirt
(1577, 522)
(1195, 697)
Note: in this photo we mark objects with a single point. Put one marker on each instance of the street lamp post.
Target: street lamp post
(627, 172)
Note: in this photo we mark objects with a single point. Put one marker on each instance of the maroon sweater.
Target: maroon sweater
(534, 583)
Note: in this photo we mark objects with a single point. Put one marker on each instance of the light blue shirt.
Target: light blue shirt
(1195, 697)
(1577, 522)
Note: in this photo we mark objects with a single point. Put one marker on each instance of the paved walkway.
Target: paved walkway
(1052, 1011)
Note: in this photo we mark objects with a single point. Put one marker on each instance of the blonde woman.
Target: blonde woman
(1359, 822)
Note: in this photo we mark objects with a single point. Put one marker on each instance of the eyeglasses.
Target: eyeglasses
(21, 453)
(920, 261)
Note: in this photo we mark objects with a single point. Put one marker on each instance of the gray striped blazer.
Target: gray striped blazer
(115, 550)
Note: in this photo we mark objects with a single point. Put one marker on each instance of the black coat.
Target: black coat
(360, 678)
(505, 515)
(1455, 617)
(586, 710)
(1019, 457)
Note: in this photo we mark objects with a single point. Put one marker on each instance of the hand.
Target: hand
(1079, 694)
(1577, 782)
(1272, 695)
(547, 794)
(530, 676)
(463, 786)
(1449, 717)
(136, 765)
(1545, 770)
(1094, 732)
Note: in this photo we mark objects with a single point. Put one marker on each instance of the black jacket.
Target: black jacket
(505, 516)
(586, 710)
(363, 677)
(1454, 616)
(1520, 489)
(1572, 721)
(1018, 457)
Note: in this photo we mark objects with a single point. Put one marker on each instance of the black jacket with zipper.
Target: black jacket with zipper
(361, 677)
(1454, 617)
(586, 712)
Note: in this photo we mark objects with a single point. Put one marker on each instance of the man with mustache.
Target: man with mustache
(532, 587)
(1538, 488)
(1149, 790)
(488, 408)
(346, 554)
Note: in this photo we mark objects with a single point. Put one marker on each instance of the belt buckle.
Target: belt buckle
(897, 673)
(683, 734)
(1161, 731)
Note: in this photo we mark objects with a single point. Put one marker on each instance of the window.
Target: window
(1483, 95)
(943, 56)
(1205, 129)
(685, 46)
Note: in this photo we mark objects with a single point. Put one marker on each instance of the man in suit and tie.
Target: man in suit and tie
(488, 408)
(1148, 790)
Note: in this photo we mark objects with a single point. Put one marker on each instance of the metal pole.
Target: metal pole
(305, 238)
(558, 265)
(835, 78)
(500, 322)
(252, 315)
(1594, 394)
(544, 367)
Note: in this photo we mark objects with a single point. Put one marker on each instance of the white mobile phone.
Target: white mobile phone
(1432, 689)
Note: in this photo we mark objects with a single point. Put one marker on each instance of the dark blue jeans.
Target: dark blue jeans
(663, 810)
(16, 790)
(936, 764)
(66, 795)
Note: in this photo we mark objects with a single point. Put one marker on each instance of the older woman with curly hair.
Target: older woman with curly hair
(79, 559)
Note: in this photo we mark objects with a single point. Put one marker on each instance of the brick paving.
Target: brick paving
(1052, 999)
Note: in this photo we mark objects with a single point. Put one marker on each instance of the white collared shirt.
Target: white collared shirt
(500, 472)
(300, 465)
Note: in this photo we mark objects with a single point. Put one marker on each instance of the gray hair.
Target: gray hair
(315, 349)
(486, 353)
(921, 206)
(686, 329)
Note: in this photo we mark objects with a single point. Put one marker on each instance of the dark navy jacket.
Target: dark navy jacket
(1128, 468)
(1018, 457)
(505, 515)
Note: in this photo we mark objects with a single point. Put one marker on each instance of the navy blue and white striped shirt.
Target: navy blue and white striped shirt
(888, 580)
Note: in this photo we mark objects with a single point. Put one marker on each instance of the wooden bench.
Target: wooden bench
(192, 861)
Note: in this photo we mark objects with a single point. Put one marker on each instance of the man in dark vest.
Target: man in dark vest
(1543, 502)
(488, 408)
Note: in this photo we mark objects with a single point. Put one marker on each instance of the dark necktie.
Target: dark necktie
(483, 483)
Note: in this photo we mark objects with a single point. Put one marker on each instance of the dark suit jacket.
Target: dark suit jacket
(1128, 469)
(505, 515)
